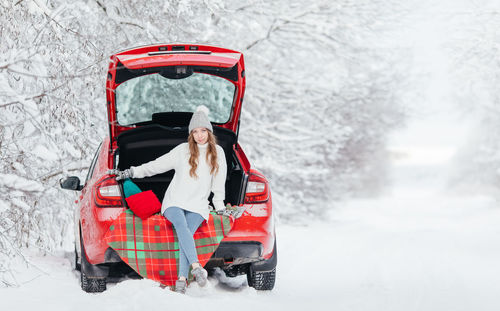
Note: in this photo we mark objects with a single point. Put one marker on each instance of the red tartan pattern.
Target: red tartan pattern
(151, 248)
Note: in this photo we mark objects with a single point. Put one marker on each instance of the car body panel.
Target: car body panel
(242, 158)
(146, 61)
(95, 221)
(256, 224)
(139, 58)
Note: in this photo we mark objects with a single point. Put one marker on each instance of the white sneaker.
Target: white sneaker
(180, 286)
(200, 275)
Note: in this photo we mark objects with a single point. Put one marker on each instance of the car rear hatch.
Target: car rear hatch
(163, 84)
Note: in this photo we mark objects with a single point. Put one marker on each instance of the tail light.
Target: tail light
(257, 189)
(107, 193)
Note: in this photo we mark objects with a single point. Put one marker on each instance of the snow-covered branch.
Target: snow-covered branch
(315, 104)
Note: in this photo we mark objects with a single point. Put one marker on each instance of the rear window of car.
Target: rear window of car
(139, 98)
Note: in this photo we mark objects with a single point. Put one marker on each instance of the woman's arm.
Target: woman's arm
(219, 181)
(160, 165)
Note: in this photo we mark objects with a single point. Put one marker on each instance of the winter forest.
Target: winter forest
(335, 91)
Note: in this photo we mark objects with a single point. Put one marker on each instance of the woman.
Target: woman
(200, 168)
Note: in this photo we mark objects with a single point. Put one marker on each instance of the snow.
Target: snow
(4, 206)
(43, 153)
(18, 182)
(420, 247)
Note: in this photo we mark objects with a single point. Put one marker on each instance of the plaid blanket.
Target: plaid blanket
(151, 248)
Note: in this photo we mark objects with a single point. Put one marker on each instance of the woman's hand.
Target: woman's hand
(235, 211)
(128, 173)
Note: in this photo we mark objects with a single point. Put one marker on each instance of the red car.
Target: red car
(151, 93)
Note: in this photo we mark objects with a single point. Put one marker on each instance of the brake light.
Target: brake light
(107, 193)
(257, 189)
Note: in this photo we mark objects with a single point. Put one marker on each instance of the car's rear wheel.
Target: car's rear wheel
(77, 262)
(262, 280)
(90, 283)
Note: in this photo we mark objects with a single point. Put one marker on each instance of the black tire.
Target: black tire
(92, 285)
(78, 266)
(262, 280)
(89, 283)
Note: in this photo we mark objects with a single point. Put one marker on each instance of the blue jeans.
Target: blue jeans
(185, 223)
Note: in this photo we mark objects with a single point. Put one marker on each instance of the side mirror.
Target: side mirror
(71, 183)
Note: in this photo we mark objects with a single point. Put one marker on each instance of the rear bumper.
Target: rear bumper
(256, 225)
(244, 252)
(251, 239)
(267, 264)
(237, 253)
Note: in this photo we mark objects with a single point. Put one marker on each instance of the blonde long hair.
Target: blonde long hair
(211, 154)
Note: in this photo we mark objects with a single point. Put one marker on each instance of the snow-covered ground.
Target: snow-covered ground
(420, 246)
(417, 248)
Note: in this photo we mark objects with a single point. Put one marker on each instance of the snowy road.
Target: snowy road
(407, 251)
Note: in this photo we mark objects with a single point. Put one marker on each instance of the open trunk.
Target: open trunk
(170, 78)
(148, 142)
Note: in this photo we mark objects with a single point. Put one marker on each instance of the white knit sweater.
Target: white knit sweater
(184, 191)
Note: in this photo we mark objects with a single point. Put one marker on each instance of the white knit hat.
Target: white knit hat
(200, 119)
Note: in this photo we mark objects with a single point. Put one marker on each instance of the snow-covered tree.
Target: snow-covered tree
(52, 102)
(322, 93)
(475, 44)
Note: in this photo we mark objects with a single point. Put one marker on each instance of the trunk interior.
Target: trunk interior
(148, 142)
